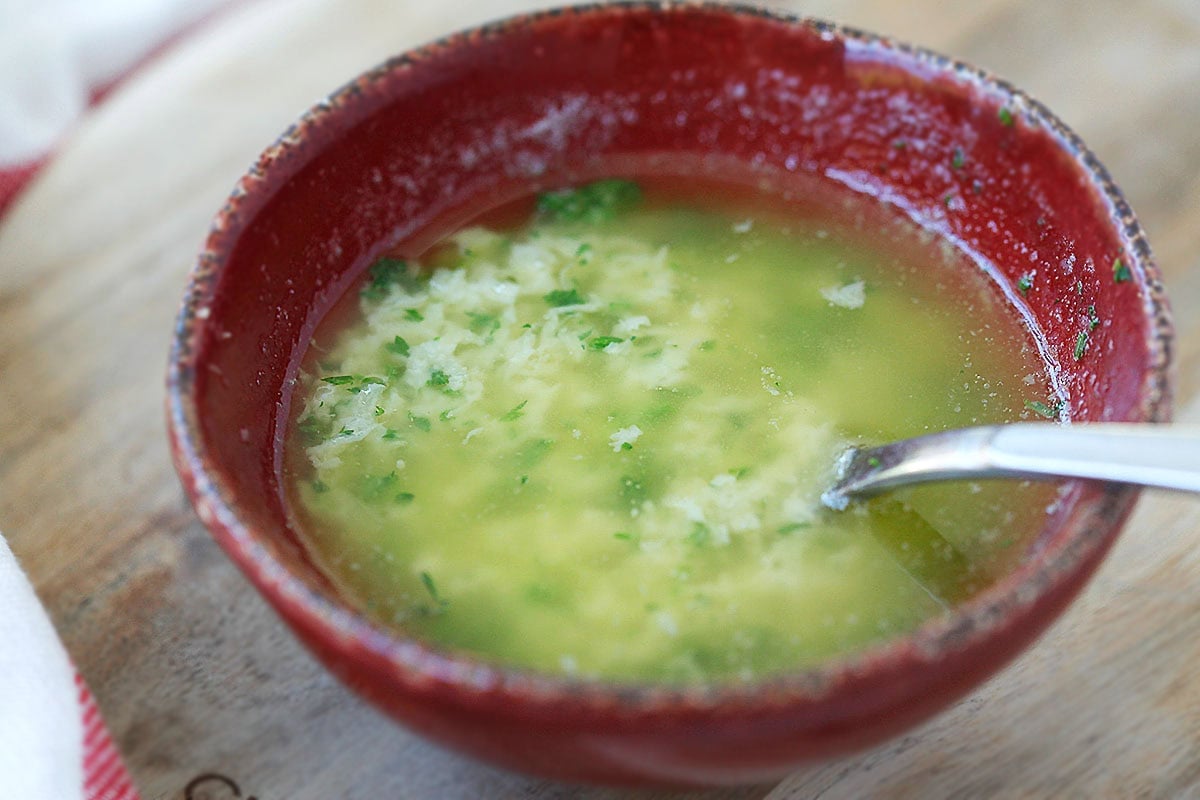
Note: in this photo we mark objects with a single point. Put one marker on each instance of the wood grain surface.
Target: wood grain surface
(192, 671)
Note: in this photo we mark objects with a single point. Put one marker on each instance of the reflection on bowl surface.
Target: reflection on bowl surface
(840, 130)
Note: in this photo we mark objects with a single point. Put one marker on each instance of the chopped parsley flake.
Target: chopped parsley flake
(524, 479)
(1081, 343)
(345, 431)
(422, 423)
(1043, 410)
(1025, 283)
(1006, 117)
(1121, 272)
(1093, 318)
(375, 486)
(707, 345)
(625, 536)
(390, 433)
(791, 527)
(385, 273)
(339, 380)
(593, 202)
(873, 461)
(516, 413)
(404, 498)
(740, 472)
(601, 342)
(958, 159)
(413, 315)
(481, 323)
(431, 587)
(398, 346)
(563, 297)
(438, 378)
(320, 487)
(379, 411)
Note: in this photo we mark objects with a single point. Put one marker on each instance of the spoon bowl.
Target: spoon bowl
(1160, 456)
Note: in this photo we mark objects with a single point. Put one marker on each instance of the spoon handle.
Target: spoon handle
(1162, 456)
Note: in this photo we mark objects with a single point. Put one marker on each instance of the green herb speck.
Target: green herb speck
(384, 274)
(601, 342)
(707, 345)
(873, 461)
(398, 346)
(390, 433)
(625, 536)
(345, 431)
(320, 487)
(1093, 318)
(958, 159)
(515, 413)
(1025, 283)
(379, 411)
(1120, 271)
(481, 323)
(593, 202)
(375, 486)
(792, 527)
(422, 423)
(1081, 343)
(404, 498)
(438, 378)
(563, 297)
(1043, 410)
(414, 315)
(339, 380)
(431, 587)
(1006, 117)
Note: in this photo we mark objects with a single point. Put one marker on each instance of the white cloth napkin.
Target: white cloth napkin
(41, 733)
(56, 54)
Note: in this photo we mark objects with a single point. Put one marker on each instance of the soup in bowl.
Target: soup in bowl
(512, 374)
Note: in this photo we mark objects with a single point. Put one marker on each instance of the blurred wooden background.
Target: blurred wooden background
(195, 674)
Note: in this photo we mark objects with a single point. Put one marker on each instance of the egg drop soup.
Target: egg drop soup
(588, 433)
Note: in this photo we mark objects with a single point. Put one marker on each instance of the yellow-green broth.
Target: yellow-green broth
(594, 443)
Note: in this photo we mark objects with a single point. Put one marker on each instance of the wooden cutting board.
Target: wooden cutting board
(195, 675)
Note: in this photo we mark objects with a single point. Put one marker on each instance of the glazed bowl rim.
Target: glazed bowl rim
(416, 663)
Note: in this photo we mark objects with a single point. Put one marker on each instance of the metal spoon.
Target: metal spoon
(1161, 456)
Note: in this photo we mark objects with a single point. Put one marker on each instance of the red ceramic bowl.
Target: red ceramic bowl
(409, 150)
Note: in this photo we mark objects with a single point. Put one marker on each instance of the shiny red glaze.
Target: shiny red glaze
(409, 150)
